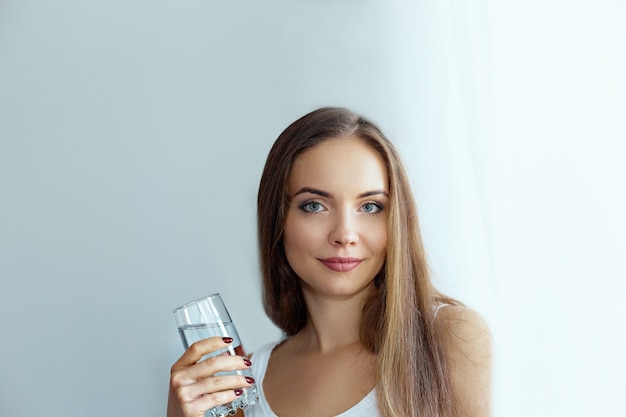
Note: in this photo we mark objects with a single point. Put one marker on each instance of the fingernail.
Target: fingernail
(227, 339)
(238, 392)
(247, 362)
(249, 380)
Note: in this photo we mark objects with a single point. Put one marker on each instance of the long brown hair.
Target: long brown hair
(398, 319)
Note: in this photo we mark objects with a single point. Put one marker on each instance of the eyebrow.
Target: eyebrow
(329, 195)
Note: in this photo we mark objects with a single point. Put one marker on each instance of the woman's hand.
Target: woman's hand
(194, 388)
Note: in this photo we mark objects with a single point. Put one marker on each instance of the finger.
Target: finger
(207, 368)
(216, 364)
(200, 348)
(201, 404)
(214, 385)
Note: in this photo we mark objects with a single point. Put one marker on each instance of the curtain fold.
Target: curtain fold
(517, 139)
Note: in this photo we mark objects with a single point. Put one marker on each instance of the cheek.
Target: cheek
(382, 249)
(378, 238)
(291, 244)
(295, 238)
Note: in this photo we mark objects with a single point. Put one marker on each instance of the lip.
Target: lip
(341, 264)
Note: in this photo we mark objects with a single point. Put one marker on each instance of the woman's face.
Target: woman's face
(335, 235)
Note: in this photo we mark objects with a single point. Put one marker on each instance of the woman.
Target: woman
(345, 277)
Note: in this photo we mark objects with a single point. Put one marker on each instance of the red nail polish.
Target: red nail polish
(227, 339)
(249, 380)
(247, 362)
(238, 392)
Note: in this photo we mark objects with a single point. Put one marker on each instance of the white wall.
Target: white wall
(132, 136)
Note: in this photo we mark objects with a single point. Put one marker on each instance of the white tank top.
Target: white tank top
(367, 407)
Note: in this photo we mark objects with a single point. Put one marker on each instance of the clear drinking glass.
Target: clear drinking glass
(208, 317)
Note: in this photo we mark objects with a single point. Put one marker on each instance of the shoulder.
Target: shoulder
(467, 343)
(263, 353)
(461, 325)
(268, 347)
(465, 334)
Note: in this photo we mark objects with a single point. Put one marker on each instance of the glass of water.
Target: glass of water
(208, 317)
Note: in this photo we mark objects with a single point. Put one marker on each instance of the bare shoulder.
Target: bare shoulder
(467, 342)
(462, 326)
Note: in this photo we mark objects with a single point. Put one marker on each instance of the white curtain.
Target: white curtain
(520, 111)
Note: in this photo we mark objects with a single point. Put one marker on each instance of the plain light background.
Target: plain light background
(133, 134)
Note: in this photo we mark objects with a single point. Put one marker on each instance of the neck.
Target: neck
(333, 323)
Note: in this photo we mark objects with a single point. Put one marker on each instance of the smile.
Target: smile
(341, 264)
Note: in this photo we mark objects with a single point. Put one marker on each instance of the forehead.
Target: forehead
(339, 163)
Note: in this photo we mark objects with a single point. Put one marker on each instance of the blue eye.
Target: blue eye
(371, 208)
(312, 207)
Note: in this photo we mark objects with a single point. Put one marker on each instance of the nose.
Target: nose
(344, 230)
